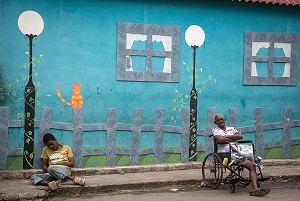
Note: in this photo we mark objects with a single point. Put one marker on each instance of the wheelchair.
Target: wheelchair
(216, 169)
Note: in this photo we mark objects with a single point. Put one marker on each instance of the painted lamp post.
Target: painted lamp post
(31, 25)
(194, 37)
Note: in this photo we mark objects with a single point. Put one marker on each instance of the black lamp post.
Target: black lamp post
(194, 37)
(31, 25)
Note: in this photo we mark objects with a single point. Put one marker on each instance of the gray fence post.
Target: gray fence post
(4, 137)
(43, 129)
(259, 132)
(136, 136)
(159, 117)
(286, 142)
(77, 137)
(111, 137)
(233, 116)
(185, 134)
(210, 125)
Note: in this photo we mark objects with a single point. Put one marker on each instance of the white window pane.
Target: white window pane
(131, 38)
(259, 46)
(166, 40)
(286, 48)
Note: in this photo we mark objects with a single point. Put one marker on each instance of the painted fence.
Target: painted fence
(112, 127)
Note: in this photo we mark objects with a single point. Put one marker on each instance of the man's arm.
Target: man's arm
(45, 164)
(235, 137)
(228, 138)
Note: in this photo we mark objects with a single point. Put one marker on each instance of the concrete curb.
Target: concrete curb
(26, 174)
(138, 186)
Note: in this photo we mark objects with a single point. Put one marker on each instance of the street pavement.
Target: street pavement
(16, 184)
(287, 191)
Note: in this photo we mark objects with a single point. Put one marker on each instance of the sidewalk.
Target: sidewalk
(15, 185)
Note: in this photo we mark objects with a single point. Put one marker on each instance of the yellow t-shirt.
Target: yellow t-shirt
(55, 157)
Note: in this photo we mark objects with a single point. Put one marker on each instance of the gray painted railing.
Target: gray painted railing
(111, 127)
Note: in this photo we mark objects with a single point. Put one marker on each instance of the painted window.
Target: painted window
(148, 53)
(270, 59)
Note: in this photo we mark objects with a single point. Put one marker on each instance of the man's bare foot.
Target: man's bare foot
(79, 181)
(53, 185)
(259, 192)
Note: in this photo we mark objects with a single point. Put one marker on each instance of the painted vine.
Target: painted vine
(183, 99)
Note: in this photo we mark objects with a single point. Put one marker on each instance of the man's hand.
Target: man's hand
(70, 163)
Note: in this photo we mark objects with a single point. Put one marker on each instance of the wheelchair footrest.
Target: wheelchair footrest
(263, 179)
(234, 180)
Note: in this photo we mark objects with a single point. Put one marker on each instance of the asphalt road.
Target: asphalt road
(289, 191)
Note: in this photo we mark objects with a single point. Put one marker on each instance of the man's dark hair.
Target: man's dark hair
(47, 137)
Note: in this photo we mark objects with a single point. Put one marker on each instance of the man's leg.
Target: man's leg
(45, 179)
(253, 178)
(42, 179)
(62, 172)
(252, 173)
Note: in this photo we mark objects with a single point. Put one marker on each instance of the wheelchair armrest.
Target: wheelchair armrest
(222, 143)
(245, 141)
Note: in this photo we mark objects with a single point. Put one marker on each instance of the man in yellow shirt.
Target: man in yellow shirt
(56, 162)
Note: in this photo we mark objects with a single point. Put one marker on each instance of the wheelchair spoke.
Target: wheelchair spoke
(212, 170)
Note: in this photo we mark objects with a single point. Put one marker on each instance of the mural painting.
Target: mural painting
(133, 70)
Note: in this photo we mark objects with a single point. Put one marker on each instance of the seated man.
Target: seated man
(229, 134)
(56, 162)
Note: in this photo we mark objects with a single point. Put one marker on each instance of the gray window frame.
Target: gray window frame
(271, 38)
(149, 30)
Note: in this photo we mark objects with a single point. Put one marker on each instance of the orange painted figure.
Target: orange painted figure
(76, 99)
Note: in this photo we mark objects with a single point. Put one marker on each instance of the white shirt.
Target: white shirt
(229, 131)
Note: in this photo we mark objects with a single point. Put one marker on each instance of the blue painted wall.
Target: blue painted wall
(79, 45)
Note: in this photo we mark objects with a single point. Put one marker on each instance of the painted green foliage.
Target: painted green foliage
(11, 90)
(182, 100)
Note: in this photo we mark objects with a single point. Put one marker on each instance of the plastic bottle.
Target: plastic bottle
(258, 160)
(225, 161)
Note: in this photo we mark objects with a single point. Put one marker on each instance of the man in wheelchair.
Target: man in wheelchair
(230, 135)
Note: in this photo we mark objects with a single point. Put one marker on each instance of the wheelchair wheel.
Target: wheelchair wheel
(232, 187)
(244, 177)
(212, 171)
